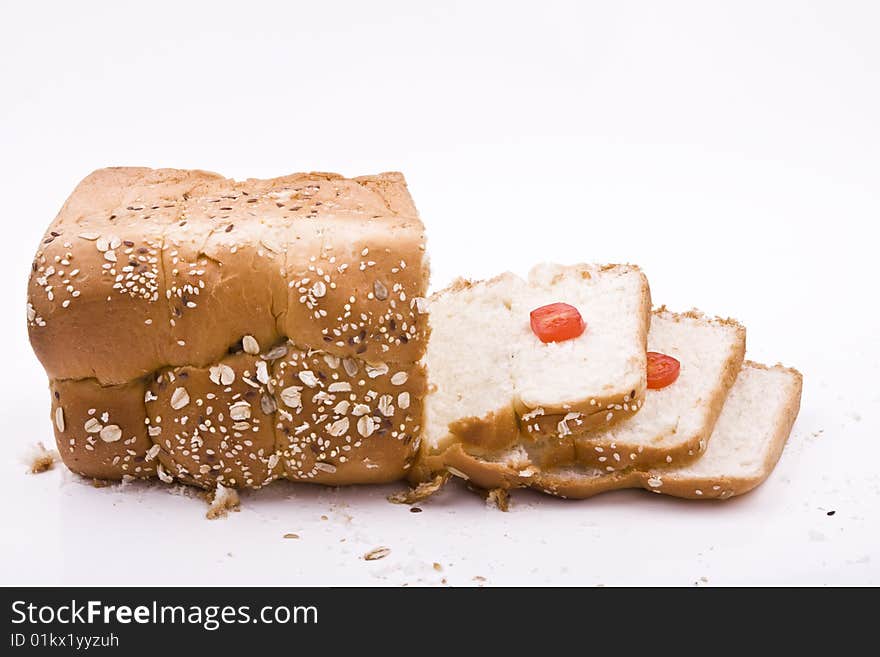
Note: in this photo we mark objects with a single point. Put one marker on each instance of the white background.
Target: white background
(732, 150)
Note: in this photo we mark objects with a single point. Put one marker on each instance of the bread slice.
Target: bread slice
(745, 446)
(675, 422)
(488, 369)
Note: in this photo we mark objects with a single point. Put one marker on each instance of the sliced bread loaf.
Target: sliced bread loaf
(745, 446)
(487, 368)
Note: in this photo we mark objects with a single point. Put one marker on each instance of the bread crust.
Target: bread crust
(209, 433)
(493, 432)
(357, 428)
(155, 260)
(101, 431)
(147, 274)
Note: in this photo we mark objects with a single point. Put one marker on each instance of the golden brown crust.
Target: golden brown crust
(484, 474)
(154, 260)
(101, 431)
(209, 433)
(479, 435)
(338, 428)
(147, 274)
(495, 431)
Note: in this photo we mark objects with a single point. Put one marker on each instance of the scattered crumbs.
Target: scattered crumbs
(377, 553)
(415, 509)
(498, 498)
(421, 492)
(479, 578)
(41, 459)
(443, 581)
(291, 536)
(324, 518)
(831, 513)
(437, 567)
(222, 502)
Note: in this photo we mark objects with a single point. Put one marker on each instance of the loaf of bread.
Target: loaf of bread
(215, 331)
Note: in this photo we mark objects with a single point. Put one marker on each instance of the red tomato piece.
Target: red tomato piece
(556, 322)
(663, 370)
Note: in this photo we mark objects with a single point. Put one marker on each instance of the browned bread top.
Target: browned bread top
(149, 268)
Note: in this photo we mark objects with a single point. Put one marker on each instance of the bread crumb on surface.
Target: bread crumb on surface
(499, 498)
(421, 492)
(222, 502)
(437, 567)
(291, 536)
(40, 459)
(377, 553)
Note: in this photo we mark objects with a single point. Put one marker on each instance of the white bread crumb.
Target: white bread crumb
(39, 459)
(223, 501)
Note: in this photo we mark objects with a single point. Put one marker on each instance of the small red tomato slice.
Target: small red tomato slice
(556, 322)
(662, 370)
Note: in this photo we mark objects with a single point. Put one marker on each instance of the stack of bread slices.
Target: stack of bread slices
(581, 415)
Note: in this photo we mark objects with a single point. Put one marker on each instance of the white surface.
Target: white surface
(732, 150)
